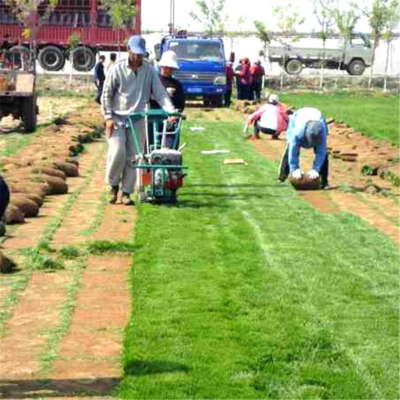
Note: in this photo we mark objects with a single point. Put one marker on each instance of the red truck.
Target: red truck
(83, 17)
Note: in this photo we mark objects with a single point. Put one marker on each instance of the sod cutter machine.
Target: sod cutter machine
(159, 167)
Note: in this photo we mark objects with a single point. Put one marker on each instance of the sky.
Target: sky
(253, 10)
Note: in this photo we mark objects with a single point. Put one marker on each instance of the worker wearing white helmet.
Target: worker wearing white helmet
(168, 65)
(271, 119)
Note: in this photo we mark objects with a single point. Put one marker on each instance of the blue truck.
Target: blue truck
(202, 66)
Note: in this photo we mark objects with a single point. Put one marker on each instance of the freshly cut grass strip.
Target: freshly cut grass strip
(244, 291)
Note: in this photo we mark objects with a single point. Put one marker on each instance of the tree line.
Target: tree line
(382, 15)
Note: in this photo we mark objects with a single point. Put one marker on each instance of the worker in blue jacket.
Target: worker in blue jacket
(308, 129)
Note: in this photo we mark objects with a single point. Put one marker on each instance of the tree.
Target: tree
(230, 30)
(121, 13)
(345, 22)
(323, 10)
(265, 37)
(392, 21)
(27, 12)
(73, 41)
(210, 15)
(378, 17)
(288, 20)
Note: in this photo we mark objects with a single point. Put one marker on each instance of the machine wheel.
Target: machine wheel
(174, 197)
(294, 67)
(83, 59)
(29, 110)
(356, 67)
(51, 58)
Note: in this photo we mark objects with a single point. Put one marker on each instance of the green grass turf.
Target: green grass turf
(374, 115)
(244, 291)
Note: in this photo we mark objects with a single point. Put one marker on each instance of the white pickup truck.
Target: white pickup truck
(354, 59)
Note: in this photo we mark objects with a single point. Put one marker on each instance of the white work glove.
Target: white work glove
(313, 174)
(171, 91)
(297, 174)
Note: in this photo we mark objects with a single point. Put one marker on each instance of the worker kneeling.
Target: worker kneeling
(271, 119)
(308, 129)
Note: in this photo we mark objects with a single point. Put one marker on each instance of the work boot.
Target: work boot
(126, 199)
(113, 195)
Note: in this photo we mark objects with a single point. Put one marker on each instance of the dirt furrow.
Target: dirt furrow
(84, 211)
(38, 311)
(27, 234)
(92, 348)
(350, 203)
(378, 211)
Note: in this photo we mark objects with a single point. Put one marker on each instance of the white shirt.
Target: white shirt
(269, 118)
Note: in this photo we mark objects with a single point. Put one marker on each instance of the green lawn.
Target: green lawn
(244, 291)
(372, 114)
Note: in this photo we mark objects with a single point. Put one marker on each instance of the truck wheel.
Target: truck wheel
(83, 59)
(51, 58)
(28, 114)
(294, 67)
(356, 67)
(217, 100)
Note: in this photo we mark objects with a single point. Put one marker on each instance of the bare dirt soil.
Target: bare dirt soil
(61, 333)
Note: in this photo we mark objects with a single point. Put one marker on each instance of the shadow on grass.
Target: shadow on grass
(245, 185)
(52, 388)
(140, 367)
(185, 203)
(236, 196)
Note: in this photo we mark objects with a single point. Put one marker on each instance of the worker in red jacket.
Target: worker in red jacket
(257, 74)
(245, 79)
(230, 76)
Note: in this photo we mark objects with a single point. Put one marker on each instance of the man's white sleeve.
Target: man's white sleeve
(108, 92)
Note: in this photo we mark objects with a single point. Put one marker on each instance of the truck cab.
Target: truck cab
(202, 66)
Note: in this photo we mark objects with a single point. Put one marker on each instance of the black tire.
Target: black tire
(356, 67)
(28, 115)
(83, 59)
(294, 67)
(51, 58)
(217, 100)
(206, 102)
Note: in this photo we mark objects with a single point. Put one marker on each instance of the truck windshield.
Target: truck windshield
(187, 50)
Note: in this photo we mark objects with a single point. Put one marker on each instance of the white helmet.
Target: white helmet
(169, 59)
(273, 99)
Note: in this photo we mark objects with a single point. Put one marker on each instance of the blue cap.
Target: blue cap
(312, 134)
(137, 45)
